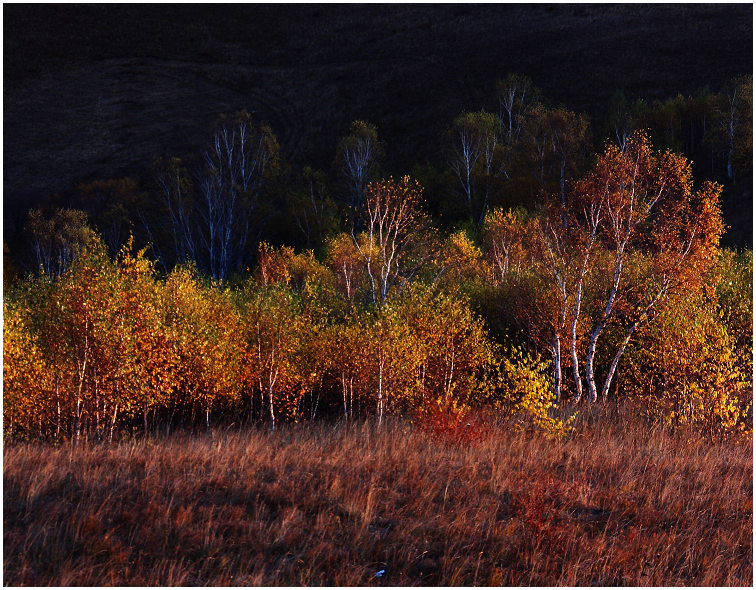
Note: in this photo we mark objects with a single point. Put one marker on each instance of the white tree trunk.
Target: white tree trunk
(557, 351)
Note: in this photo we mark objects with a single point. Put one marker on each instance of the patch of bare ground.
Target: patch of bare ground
(617, 503)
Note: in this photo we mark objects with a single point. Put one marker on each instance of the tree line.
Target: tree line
(570, 277)
(215, 205)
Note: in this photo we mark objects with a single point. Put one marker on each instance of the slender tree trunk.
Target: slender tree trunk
(380, 390)
(272, 413)
(57, 403)
(468, 190)
(80, 391)
(351, 397)
(576, 371)
(620, 351)
(557, 367)
(589, 362)
(77, 415)
(573, 347)
(615, 362)
(314, 412)
(344, 394)
(589, 369)
(97, 406)
(576, 315)
(113, 423)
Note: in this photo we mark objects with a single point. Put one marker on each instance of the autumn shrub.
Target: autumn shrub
(26, 376)
(734, 302)
(282, 361)
(284, 266)
(451, 352)
(690, 370)
(463, 261)
(452, 422)
(203, 325)
(118, 346)
(97, 330)
(524, 396)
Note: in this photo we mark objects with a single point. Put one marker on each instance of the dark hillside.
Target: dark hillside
(99, 91)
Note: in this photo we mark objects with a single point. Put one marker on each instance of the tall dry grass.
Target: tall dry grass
(617, 503)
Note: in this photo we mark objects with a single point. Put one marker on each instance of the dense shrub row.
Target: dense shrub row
(109, 346)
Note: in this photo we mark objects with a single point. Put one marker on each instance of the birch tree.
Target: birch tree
(57, 237)
(344, 260)
(516, 96)
(272, 330)
(176, 194)
(359, 154)
(735, 119)
(473, 159)
(237, 161)
(645, 206)
(394, 243)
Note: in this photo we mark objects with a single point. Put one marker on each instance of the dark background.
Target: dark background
(99, 91)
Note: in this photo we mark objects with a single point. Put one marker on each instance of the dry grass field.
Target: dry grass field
(618, 503)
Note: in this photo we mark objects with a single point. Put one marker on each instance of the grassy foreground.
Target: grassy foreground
(617, 503)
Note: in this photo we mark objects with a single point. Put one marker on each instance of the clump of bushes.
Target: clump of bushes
(108, 347)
